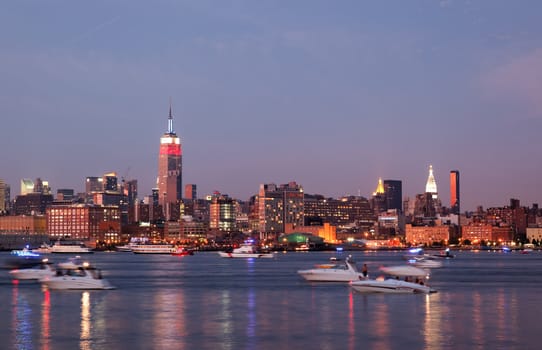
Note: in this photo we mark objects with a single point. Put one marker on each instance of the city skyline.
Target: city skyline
(332, 96)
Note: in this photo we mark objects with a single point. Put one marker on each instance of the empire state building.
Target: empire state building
(169, 181)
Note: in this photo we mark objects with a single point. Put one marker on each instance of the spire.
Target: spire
(170, 120)
(431, 185)
(379, 187)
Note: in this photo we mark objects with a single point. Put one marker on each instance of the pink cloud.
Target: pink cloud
(518, 82)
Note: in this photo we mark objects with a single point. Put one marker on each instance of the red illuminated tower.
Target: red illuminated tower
(169, 180)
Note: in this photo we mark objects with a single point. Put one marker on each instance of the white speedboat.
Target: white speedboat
(45, 269)
(425, 262)
(70, 247)
(246, 251)
(80, 278)
(345, 272)
(153, 248)
(415, 281)
(73, 263)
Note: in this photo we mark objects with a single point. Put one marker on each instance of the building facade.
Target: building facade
(84, 222)
(454, 192)
(169, 180)
(280, 205)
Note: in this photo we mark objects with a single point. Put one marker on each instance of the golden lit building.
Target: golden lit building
(476, 232)
(23, 223)
(427, 234)
(326, 231)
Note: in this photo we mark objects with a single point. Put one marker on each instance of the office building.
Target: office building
(278, 206)
(190, 192)
(454, 192)
(393, 192)
(169, 180)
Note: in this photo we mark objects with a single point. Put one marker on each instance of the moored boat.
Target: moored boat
(164, 248)
(70, 247)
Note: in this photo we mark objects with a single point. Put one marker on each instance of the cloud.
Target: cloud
(518, 82)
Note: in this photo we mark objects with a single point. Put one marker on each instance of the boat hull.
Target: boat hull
(390, 287)
(245, 255)
(329, 276)
(76, 283)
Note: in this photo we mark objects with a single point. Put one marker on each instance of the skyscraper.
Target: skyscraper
(169, 180)
(393, 192)
(454, 191)
(431, 185)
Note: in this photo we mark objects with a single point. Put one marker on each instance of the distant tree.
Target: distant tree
(467, 242)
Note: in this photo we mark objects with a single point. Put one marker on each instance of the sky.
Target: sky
(330, 94)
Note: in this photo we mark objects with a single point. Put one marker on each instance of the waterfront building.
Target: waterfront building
(31, 224)
(169, 180)
(429, 235)
(454, 192)
(325, 231)
(390, 223)
(279, 205)
(534, 234)
(86, 222)
(476, 232)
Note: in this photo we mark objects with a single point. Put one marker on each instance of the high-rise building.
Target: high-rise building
(431, 185)
(27, 186)
(222, 213)
(190, 192)
(93, 184)
(169, 180)
(454, 191)
(2, 196)
(279, 206)
(393, 192)
(110, 183)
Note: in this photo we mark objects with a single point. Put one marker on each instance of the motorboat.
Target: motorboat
(70, 247)
(22, 258)
(72, 263)
(425, 262)
(153, 248)
(335, 272)
(446, 254)
(246, 250)
(80, 278)
(414, 282)
(44, 248)
(37, 272)
(181, 251)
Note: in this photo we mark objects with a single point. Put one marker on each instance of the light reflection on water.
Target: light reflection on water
(208, 303)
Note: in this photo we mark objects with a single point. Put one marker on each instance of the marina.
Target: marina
(484, 300)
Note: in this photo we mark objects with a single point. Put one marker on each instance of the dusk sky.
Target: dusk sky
(330, 94)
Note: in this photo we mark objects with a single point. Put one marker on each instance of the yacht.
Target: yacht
(246, 250)
(415, 282)
(84, 277)
(37, 272)
(161, 248)
(345, 272)
(70, 247)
